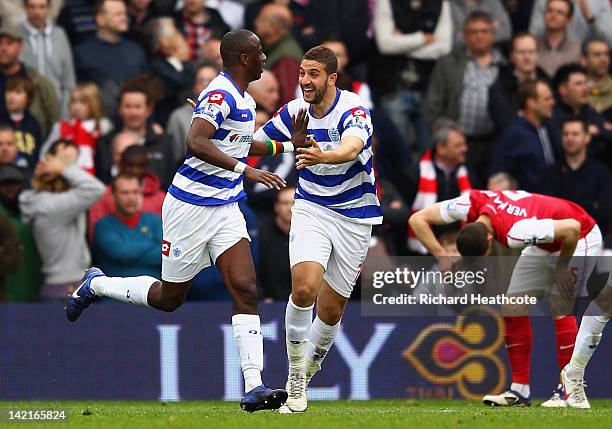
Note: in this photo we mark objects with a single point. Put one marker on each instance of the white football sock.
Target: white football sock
(589, 335)
(320, 339)
(133, 290)
(298, 321)
(247, 332)
(522, 389)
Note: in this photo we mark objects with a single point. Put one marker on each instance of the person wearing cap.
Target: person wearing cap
(24, 284)
(44, 106)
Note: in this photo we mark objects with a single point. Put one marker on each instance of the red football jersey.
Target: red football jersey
(519, 218)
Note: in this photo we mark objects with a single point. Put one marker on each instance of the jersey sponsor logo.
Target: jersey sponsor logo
(358, 112)
(237, 138)
(166, 248)
(334, 134)
(216, 97)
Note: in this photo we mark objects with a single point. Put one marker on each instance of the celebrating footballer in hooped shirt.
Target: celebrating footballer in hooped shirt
(541, 226)
(202, 223)
(335, 207)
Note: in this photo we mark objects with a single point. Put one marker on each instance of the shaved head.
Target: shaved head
(236, 43)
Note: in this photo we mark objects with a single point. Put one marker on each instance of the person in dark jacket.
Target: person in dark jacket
(503, 95)
(135, 109)
(525, 148)
(10, 253)
(579, 178)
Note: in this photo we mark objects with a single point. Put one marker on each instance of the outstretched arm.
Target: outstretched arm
(349, 149)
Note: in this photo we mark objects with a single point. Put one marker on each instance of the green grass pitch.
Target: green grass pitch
(326, 415)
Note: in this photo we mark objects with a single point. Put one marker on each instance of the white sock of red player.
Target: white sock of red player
(133, 290)
(589, 335)
(247, 332)
(298, 321)
(320, 339)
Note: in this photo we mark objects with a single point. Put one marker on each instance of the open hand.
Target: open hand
(308, 156)
(271, 180)
(299, 125)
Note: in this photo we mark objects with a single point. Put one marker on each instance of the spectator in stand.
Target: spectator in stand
(232, 12)
(439, 175)
(459, 90)
(571, 82)
(410, 36)
(44, 105)
(140, 13)
(525, 149)
(127, 241)
(85, 125)
(170, 63)
(591, 18)
(77, 18)
(47, 50)
(461, 9)
(596, 61)
(135, 162)
(18, 96)
(274, 274)
(135, 109)
(283, 53)
(212, 52)
(345, 80)
(56, 207)
(10, 253)
(180, 119)
(578, 177)
(503, 95)
(556, 47)
(24, 285)
(96, 59)
(9, 153)
(199, 24)
(265, 92)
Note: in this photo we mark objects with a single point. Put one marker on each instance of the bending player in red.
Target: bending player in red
(542, 226)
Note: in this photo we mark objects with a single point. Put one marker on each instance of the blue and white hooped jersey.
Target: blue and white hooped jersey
(232, 113)
(348, 189)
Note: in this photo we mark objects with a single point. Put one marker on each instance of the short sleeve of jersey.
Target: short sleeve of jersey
(357, 123)
(456, 210)
(531, 232)
(278, 128)
(214, 106)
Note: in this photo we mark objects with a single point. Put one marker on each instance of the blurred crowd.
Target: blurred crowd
(484, 94)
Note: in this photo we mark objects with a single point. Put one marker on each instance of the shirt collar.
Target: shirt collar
(33, 31)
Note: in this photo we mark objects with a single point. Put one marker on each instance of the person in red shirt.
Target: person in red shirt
(541, 226)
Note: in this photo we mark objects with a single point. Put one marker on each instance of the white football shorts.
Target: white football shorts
(195, 236)
(534, 269)
(340, 246)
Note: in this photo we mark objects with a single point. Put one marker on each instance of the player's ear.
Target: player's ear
(331, 79)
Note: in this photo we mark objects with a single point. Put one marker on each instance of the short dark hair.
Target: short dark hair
(149, 85)
(564, 73)
(124, 176)
(528, 90)
(207, 63)
(98, 6)
(472, 239)
(522, 35)
(478, 15)
(569, 4)
(21, 82)
(134, 151)
(56, 144)
(324, 55)
(25, 2)
(6, 128)
(573, 119)
(588, 42)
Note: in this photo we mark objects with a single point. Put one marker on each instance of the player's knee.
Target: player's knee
(245, 288)
(303, 293)
(330, 313)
